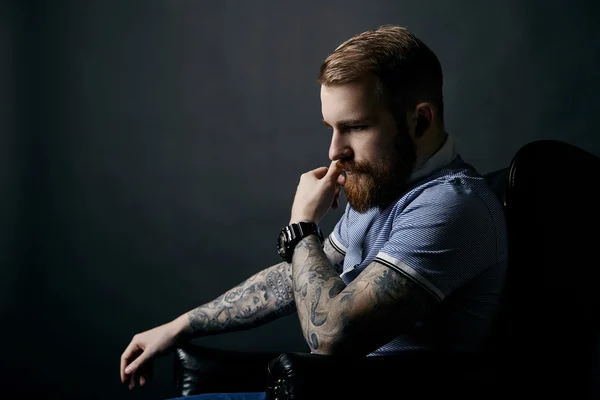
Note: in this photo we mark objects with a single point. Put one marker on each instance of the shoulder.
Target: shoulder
(453, 200)
(451, 192)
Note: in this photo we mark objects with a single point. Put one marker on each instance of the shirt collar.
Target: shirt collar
(445, 155)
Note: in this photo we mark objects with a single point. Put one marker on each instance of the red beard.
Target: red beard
(378, 185)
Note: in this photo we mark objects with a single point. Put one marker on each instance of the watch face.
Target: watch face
(281, 244)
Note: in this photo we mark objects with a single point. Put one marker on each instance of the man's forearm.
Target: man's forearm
(316, 284)
(262, 298)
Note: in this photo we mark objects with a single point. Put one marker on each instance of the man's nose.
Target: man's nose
(339, 149)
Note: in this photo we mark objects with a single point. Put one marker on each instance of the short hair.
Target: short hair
(406, 70)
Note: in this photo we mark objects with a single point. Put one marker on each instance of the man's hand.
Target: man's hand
(317, 191)
(137, 359)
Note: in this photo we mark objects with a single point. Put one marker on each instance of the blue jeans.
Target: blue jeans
(226, 396)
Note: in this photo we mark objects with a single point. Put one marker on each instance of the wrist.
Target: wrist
(181, 327)
(295, 220)
(291, 235)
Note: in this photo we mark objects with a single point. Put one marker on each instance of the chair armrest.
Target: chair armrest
(200, 369)
(301, 376)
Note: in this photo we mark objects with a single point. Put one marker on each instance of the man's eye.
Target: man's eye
(358, 127)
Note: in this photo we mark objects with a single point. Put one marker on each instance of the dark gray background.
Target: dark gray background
(151, 149)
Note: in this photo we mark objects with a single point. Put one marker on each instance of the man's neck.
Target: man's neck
(441, 153)
(431, 147)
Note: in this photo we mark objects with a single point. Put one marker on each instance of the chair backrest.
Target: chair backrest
(547, 329)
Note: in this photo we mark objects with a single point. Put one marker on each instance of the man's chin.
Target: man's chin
(361, 206)
(357, 192)
(363, 202)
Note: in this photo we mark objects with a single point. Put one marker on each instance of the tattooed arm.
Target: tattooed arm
(334, 256)
(355, 319)
(262, 298)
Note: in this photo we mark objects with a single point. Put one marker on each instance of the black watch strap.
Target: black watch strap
(304, 229)
(292, 234)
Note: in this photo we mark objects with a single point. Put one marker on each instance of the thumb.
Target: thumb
(334, 171)
(138, 362)
(320, 172)
(336, 197)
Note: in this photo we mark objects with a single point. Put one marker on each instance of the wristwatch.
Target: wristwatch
(292, 234)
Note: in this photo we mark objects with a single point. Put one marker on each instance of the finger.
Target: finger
(145, 373)
(320, 172)
(341, 179)
(131, 381)
(137, 363)
(126, 357)
(334, 171)
(336, 191)
(122, 369)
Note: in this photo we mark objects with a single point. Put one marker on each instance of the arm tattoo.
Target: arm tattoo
(315, 283)
(280, 285)
(335, 257)
(262, 298)
(358, 317)
(376, 307)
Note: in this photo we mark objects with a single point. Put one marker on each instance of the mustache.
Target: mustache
(354, 166)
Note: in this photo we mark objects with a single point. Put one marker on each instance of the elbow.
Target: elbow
(324, 348)
(330, 345)
(333, 338)
(322, 341)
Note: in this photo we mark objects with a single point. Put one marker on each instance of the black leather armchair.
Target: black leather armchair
(544, 338)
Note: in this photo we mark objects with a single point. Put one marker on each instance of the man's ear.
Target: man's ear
(424, 117)
(421, 126)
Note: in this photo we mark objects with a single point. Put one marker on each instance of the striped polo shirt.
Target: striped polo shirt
(447, 234)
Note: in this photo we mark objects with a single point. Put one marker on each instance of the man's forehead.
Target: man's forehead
(365, 88)
(352, 100)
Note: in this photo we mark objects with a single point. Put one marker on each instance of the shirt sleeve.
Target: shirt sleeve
(442, 239)
(339, 237)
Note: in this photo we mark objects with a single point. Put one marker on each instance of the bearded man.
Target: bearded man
(417, 260)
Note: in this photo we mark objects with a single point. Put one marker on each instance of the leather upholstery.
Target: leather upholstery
(201, 369)
(545, 335)
(550, 316)
(314, 376)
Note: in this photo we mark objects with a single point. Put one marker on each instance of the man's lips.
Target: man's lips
(346, 169)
